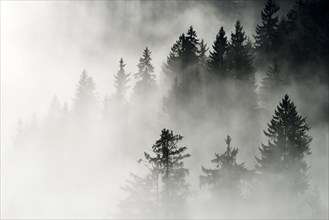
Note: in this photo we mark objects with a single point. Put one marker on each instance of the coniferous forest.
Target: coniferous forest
(227, 128)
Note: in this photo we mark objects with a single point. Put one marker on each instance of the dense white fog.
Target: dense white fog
(63, 156)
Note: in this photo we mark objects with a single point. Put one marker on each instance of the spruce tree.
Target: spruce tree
(228, 176)
(183, 67)
(203, 59)
(170, 158)
(85, 99)
(190, 48)
(217, 56)
(140, 201)
(240, 55)
(54, 114)
(272, 84)
(163, 190)
(19, 136)
(121, 83)
(146, 84)
(240, 63)
(266, 33)
(282, 160)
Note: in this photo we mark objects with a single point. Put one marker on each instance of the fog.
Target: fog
(74, 164)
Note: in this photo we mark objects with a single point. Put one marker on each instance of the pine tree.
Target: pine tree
(283, 158)
(266, 34)
(121, 83)
(228, 176)
(217, 56)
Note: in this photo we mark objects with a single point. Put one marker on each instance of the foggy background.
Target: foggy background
(45, 46)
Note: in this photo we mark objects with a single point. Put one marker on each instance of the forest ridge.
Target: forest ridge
(211, 89)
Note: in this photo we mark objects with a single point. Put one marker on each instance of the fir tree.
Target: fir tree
(283, 158)
(121, 83)
(162, 192)
(85, 99)
(239, 55)
(169, 158)
(217, 56)
(19, 137)
(190, 48)
(183, 66)
(241, 69)
(54, 114)
(266, 34)
(272, 84)
(203, 59)
(228, 176)
(146, 84)
(140, 202)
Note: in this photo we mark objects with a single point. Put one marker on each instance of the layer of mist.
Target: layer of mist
(89, 89)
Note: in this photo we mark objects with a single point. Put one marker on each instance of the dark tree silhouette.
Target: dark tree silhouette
(217, 56)
(282, 159)
(203, 59)
(228, 176)
(241, 68)
(183, 68)
(164, 189)
(266, 33)
(169, 159)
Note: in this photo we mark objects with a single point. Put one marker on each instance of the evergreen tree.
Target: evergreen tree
(241, 69)
(140, 202)
(54, 114)
(266, 34)
(121, 83)
(162, 192)
(190, 48)
(169, 159)
(184, 67)
(272, 84)
(19, 137)
(146, 84)
(85, 99)
(228, 176)
(217, 56)
(203, 59)
(283, 158)
(239, 55)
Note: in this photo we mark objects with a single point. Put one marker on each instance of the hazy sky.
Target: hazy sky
(45, 45)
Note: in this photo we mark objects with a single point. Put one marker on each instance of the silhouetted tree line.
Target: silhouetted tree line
(206, 88)
(280, 169)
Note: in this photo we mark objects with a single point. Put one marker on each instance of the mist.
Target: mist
(76, 122)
